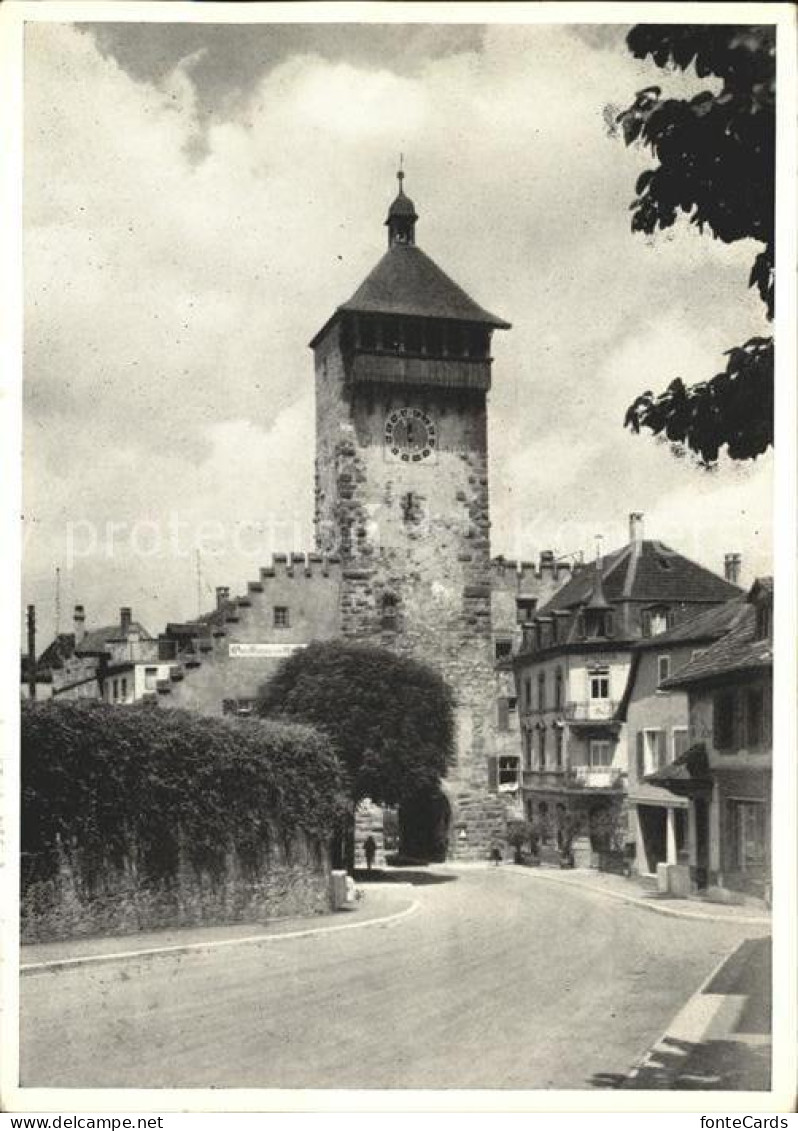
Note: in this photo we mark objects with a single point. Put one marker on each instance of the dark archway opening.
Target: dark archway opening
(424, 821)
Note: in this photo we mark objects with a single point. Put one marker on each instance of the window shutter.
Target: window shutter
(641, 757)
(493, 774)
(504, 714)
(662, 754)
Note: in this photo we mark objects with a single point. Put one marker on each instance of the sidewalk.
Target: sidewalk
(630, 890)
(379, 904)
(721, 1039)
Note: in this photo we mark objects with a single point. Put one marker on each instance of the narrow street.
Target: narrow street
(496, 981)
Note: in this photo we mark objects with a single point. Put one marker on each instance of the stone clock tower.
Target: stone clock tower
(403, 370)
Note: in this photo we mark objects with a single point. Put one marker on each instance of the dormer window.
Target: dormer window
(655, 620)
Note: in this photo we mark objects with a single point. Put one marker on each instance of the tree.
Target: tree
(390, 719)
(716, 163)
(520, 834)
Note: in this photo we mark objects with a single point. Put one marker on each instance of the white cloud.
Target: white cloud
(170, 299)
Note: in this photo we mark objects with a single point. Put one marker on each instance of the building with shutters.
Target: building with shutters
(725, 777)
(572, 677)
(657, 728)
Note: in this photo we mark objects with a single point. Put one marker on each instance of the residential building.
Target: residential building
(573, 671)
(117, 663)
(725, 775)
(657, 730)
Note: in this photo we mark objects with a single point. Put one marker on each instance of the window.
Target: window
(654, 621)
(558, 745)
(525, 609)
(681, 741)
(281, 619)
(754, 717)
(558, 689)
(389, 607)
(508, 771)
(542, 691)
(655, 750)
(723, 720)
(663, 668)
(503, 649)
(747, 834)
(512, 703)
(123, 691)
(528, 692)
(150, 679)
(542, 748)
(527, 750)
(600, 753)
(600, 684)
(115, 690)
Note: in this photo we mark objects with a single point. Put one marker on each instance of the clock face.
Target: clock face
(410, 435)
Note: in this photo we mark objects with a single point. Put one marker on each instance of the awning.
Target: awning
(645, 794)
(687, 774)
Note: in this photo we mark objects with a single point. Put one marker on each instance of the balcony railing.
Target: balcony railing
(592, 711)
(596, 777)
(547, 777)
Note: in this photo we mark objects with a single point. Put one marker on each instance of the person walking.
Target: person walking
(370, 850)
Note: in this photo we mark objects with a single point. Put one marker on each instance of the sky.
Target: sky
(199, 199)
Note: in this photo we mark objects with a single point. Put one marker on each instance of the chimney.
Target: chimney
(222, 595)
(79, 625)
(636, 527)
(31, 651)
(731, 568)
(125, 617)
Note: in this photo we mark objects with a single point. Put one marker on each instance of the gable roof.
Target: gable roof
(646, 572)
(709, 625)
(56, 652)
(406, 281)
(735, 652)
(97, 639)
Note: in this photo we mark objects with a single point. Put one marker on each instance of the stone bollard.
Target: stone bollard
(338, 889)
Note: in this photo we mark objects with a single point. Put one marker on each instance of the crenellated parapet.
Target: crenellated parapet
(517, 574)
(225, 655)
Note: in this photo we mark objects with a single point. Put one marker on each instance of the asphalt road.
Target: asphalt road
(496, 981)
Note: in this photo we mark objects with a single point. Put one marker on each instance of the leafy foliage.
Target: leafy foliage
(716, 163)
(133, 783)
(390, 719)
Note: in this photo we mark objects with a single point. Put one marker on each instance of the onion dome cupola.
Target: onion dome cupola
(402, 216)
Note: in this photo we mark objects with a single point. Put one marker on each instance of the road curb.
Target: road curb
(649, 905)
(691, 1023)
(217, 944)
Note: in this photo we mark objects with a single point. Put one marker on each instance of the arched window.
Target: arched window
(542, 691)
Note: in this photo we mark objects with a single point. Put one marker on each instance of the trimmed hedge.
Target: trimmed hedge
(110, 785)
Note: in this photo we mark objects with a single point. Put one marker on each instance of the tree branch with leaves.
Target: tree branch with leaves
(715, 164)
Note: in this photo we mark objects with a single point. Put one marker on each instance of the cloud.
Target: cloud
(184, 241)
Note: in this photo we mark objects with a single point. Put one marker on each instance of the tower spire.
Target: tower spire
(401, 222)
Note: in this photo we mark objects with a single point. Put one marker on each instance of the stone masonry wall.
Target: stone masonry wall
(417, 535)
(295, 882)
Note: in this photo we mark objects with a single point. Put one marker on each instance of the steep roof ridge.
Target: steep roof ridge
(393, 284)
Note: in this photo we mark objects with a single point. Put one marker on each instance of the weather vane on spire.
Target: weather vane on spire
(400, 176)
